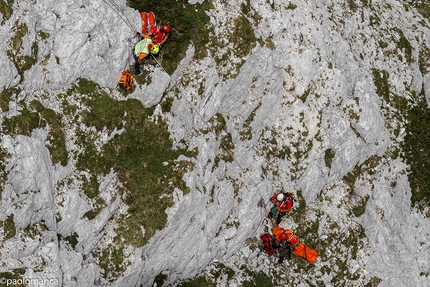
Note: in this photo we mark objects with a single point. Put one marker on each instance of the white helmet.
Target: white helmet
(280, 197)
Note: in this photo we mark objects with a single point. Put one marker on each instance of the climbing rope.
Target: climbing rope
(261, 201)
(124, 17)
(159, 63)
(120, 12)
(127, 62)
(226, 149)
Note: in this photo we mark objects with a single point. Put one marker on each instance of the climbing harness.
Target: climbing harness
(126, 80)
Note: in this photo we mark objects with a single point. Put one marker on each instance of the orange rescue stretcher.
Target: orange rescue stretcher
(148, 21)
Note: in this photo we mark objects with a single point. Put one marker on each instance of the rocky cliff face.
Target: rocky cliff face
(304, 96)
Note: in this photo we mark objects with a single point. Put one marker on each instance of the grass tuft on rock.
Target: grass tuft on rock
(416, 150)
(8, 226)
(142, 155)
(6, 9)
(37, 116)
(4, 156)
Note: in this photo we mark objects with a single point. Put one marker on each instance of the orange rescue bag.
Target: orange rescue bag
(126, 80)
(305, 252)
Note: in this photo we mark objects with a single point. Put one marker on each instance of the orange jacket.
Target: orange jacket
(292, 238)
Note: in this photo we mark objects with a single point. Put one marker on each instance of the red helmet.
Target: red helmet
(166, 28)
(283, 237)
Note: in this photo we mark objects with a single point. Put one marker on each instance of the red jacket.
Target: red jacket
(284, 205)
(160, 37)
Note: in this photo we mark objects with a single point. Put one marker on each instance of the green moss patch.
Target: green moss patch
(352, 5)
(56, 138)
(403, 44)
(35, 230)
(329, 155)
(359, 209)
(6, 96)
(416, 150)
(159, 279)
(13, 277)
(90, 187)
(198, 282)
(359, 170)
(424, 60)
(16, 40)
(8, 226)
(142, 156)
(111, 260)
(39, 117)
(271, 149)
(380, 78)
(21, 62)
(139, 150)
(6, 9)
(246, 131)
(72, 239)
(4, 155)
(221, 269)
(228, 46)
(258, 279)
(242, 45)
(422, 6)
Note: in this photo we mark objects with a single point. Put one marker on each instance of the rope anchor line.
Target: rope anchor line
(119, 11)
